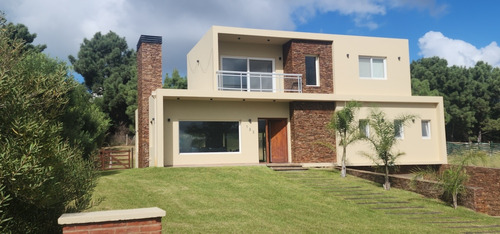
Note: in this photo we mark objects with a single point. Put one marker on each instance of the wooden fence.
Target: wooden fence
(115, 159)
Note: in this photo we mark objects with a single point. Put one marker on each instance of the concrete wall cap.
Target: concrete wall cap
(110, 215)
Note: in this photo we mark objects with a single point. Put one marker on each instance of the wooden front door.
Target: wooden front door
(278, 147)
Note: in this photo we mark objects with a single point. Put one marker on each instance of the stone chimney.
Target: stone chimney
(149, 78)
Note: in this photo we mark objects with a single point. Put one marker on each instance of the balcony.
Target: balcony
(259, 82)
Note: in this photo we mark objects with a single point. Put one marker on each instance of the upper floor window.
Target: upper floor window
(247, 74)
(372, 67)
(312, 70)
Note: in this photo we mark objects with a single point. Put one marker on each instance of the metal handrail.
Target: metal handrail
(259, 81)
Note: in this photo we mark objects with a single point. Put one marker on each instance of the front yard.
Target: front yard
(257, 199)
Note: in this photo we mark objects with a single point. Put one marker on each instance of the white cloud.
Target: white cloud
(457, 52)
(62, 24)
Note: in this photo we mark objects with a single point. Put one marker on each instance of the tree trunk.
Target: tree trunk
(387, 184)
(344, 154)
(454, 195)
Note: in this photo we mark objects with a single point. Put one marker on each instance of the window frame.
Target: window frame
(248, 88)
(316, 64)
(223, 152)
(427, 128)
(371, 77)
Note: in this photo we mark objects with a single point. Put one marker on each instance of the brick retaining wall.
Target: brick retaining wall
(487, 183)
(145, 220)
(482, 189)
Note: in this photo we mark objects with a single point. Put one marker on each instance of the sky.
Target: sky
(460, 31)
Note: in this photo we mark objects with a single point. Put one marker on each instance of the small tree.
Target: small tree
(453, 179)
(383, 139)
(343, 124)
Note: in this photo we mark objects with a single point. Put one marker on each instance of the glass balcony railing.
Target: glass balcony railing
(259, 82)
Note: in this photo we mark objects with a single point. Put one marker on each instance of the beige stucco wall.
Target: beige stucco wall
(215, 43)
(156, 135)
(346, 69)
(201, 63)
(241, 111)
(417, 150)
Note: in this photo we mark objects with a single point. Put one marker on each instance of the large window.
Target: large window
(426, 129)
(243, 72)
(312, 70)
(208, 136)
(372, 68)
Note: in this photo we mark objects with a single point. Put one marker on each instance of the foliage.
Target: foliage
(84, 124)
(108, 67)
(383, 140)
(343, 124)
(20, 32)
(471, 97)
(41, 176)
(175, 82)
(452, 180)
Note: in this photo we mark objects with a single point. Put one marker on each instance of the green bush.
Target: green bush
(41, 174)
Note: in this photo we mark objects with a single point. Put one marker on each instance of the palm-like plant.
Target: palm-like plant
(383, 140)
(343, 124)
(453, 179)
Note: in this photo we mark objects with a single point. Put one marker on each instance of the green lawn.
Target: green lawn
(259, 200)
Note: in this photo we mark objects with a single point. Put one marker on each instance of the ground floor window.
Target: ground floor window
(426, 129)
(209, 136)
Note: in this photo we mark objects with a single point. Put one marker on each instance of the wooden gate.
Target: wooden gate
(115, 159)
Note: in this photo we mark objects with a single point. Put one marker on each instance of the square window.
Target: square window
(372, 68)
(312, 70)
(426, 129)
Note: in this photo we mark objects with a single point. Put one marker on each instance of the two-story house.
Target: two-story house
(258, 96)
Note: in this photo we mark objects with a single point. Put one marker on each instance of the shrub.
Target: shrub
(41, 175)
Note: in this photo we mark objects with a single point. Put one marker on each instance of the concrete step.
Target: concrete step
(286, 167)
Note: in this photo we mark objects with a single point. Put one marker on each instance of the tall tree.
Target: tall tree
(471, 97)
(108, 67)
(342, 123)
(100, 57)
(383, 139)
(20, 32)
(84, 125)
(175, 82)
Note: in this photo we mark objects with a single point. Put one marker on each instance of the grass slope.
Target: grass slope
(257, 199)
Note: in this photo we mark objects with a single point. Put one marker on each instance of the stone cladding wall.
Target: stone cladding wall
(308, 122)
